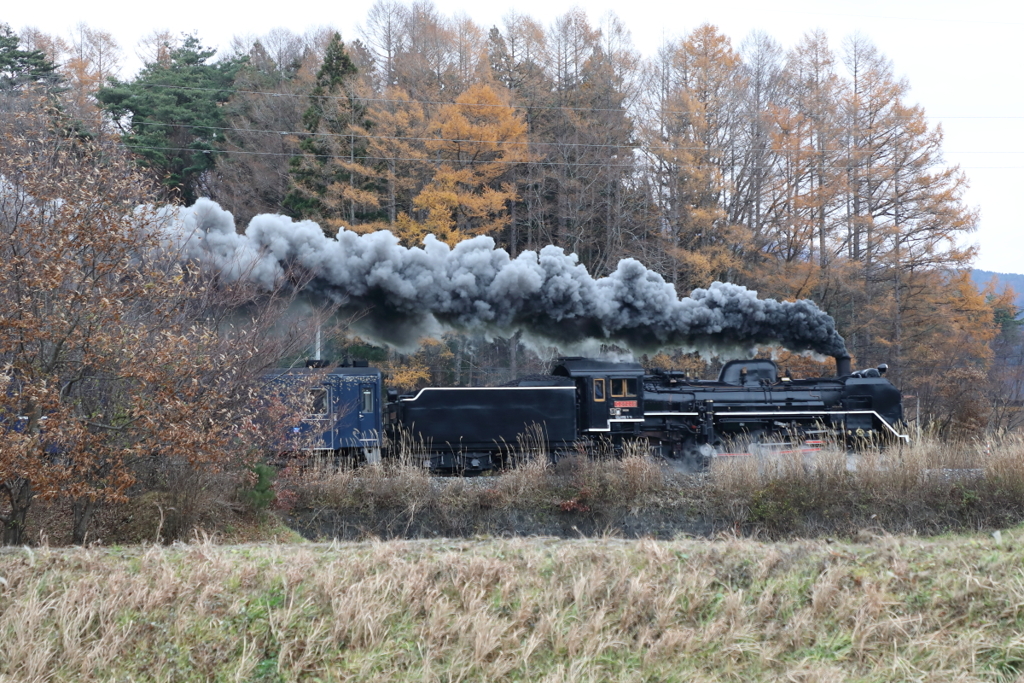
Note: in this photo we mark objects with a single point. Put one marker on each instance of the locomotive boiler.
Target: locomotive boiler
(751, 405)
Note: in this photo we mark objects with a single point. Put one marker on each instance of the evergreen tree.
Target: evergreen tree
(171, 114)
(329, 180)
(23, 68)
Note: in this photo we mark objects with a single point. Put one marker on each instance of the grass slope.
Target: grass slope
(882, 608)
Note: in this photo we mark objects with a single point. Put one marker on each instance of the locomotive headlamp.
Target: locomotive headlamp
(882, 368)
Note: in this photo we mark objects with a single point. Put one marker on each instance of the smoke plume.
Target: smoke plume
(409, 293)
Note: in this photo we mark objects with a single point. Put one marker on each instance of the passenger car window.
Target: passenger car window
(367, 400)
(318, 401)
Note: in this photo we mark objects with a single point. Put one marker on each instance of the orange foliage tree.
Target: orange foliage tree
(112, 353)
(480, 139)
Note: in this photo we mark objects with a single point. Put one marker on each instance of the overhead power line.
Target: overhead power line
(510, 143)
(527, 107)
(429, 160)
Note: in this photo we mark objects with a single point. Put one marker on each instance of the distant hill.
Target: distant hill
(1015, 280)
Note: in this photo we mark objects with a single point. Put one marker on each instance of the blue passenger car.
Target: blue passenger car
(343, 409)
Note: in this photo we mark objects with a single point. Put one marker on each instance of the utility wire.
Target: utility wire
(427, 160)
(511, 143)
(553, 107)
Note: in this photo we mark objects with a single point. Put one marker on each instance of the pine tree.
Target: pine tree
(19, 68)
(171, 116)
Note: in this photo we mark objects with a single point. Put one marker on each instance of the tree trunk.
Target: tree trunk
(823, 261)
(513, 229)
(351, 178)
(392, 202)
(19, 494)
(83, 508)
(459, 346)
(513, 354)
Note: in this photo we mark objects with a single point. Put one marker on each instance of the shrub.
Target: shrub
(259, 493)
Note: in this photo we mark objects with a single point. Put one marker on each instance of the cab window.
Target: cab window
(599, 389)
(623, 388)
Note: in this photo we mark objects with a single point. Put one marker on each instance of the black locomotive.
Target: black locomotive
(749, 407)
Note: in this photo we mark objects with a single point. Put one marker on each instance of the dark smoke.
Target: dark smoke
(409, 293)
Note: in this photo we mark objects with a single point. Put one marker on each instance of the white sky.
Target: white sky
(963, 59)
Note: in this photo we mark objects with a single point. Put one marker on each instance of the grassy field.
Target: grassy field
(878, 608)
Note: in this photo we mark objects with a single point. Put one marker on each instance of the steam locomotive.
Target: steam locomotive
(750, 406)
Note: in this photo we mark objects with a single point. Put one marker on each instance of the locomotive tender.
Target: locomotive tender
(472, 429)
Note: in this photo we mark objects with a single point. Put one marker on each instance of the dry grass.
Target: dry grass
(531, 483)
(928, 487)
(885, 609)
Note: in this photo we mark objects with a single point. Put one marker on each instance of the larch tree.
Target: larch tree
(584, 135)
(384, 35)
(692, 137)
(157, 46)
(762, 68)
(396, 147)
(470, 52)
(479, 139)
(517, 55)
(94, 58)
(813, 101)
(920, 231)
(427, 66)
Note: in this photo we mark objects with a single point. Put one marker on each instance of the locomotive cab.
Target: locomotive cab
(609, 395)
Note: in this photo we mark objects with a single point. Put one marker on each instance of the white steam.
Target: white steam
(409, 293)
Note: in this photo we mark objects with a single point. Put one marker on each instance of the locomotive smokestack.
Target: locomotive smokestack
(843, 366)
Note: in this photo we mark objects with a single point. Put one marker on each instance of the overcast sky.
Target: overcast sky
(964, 61)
